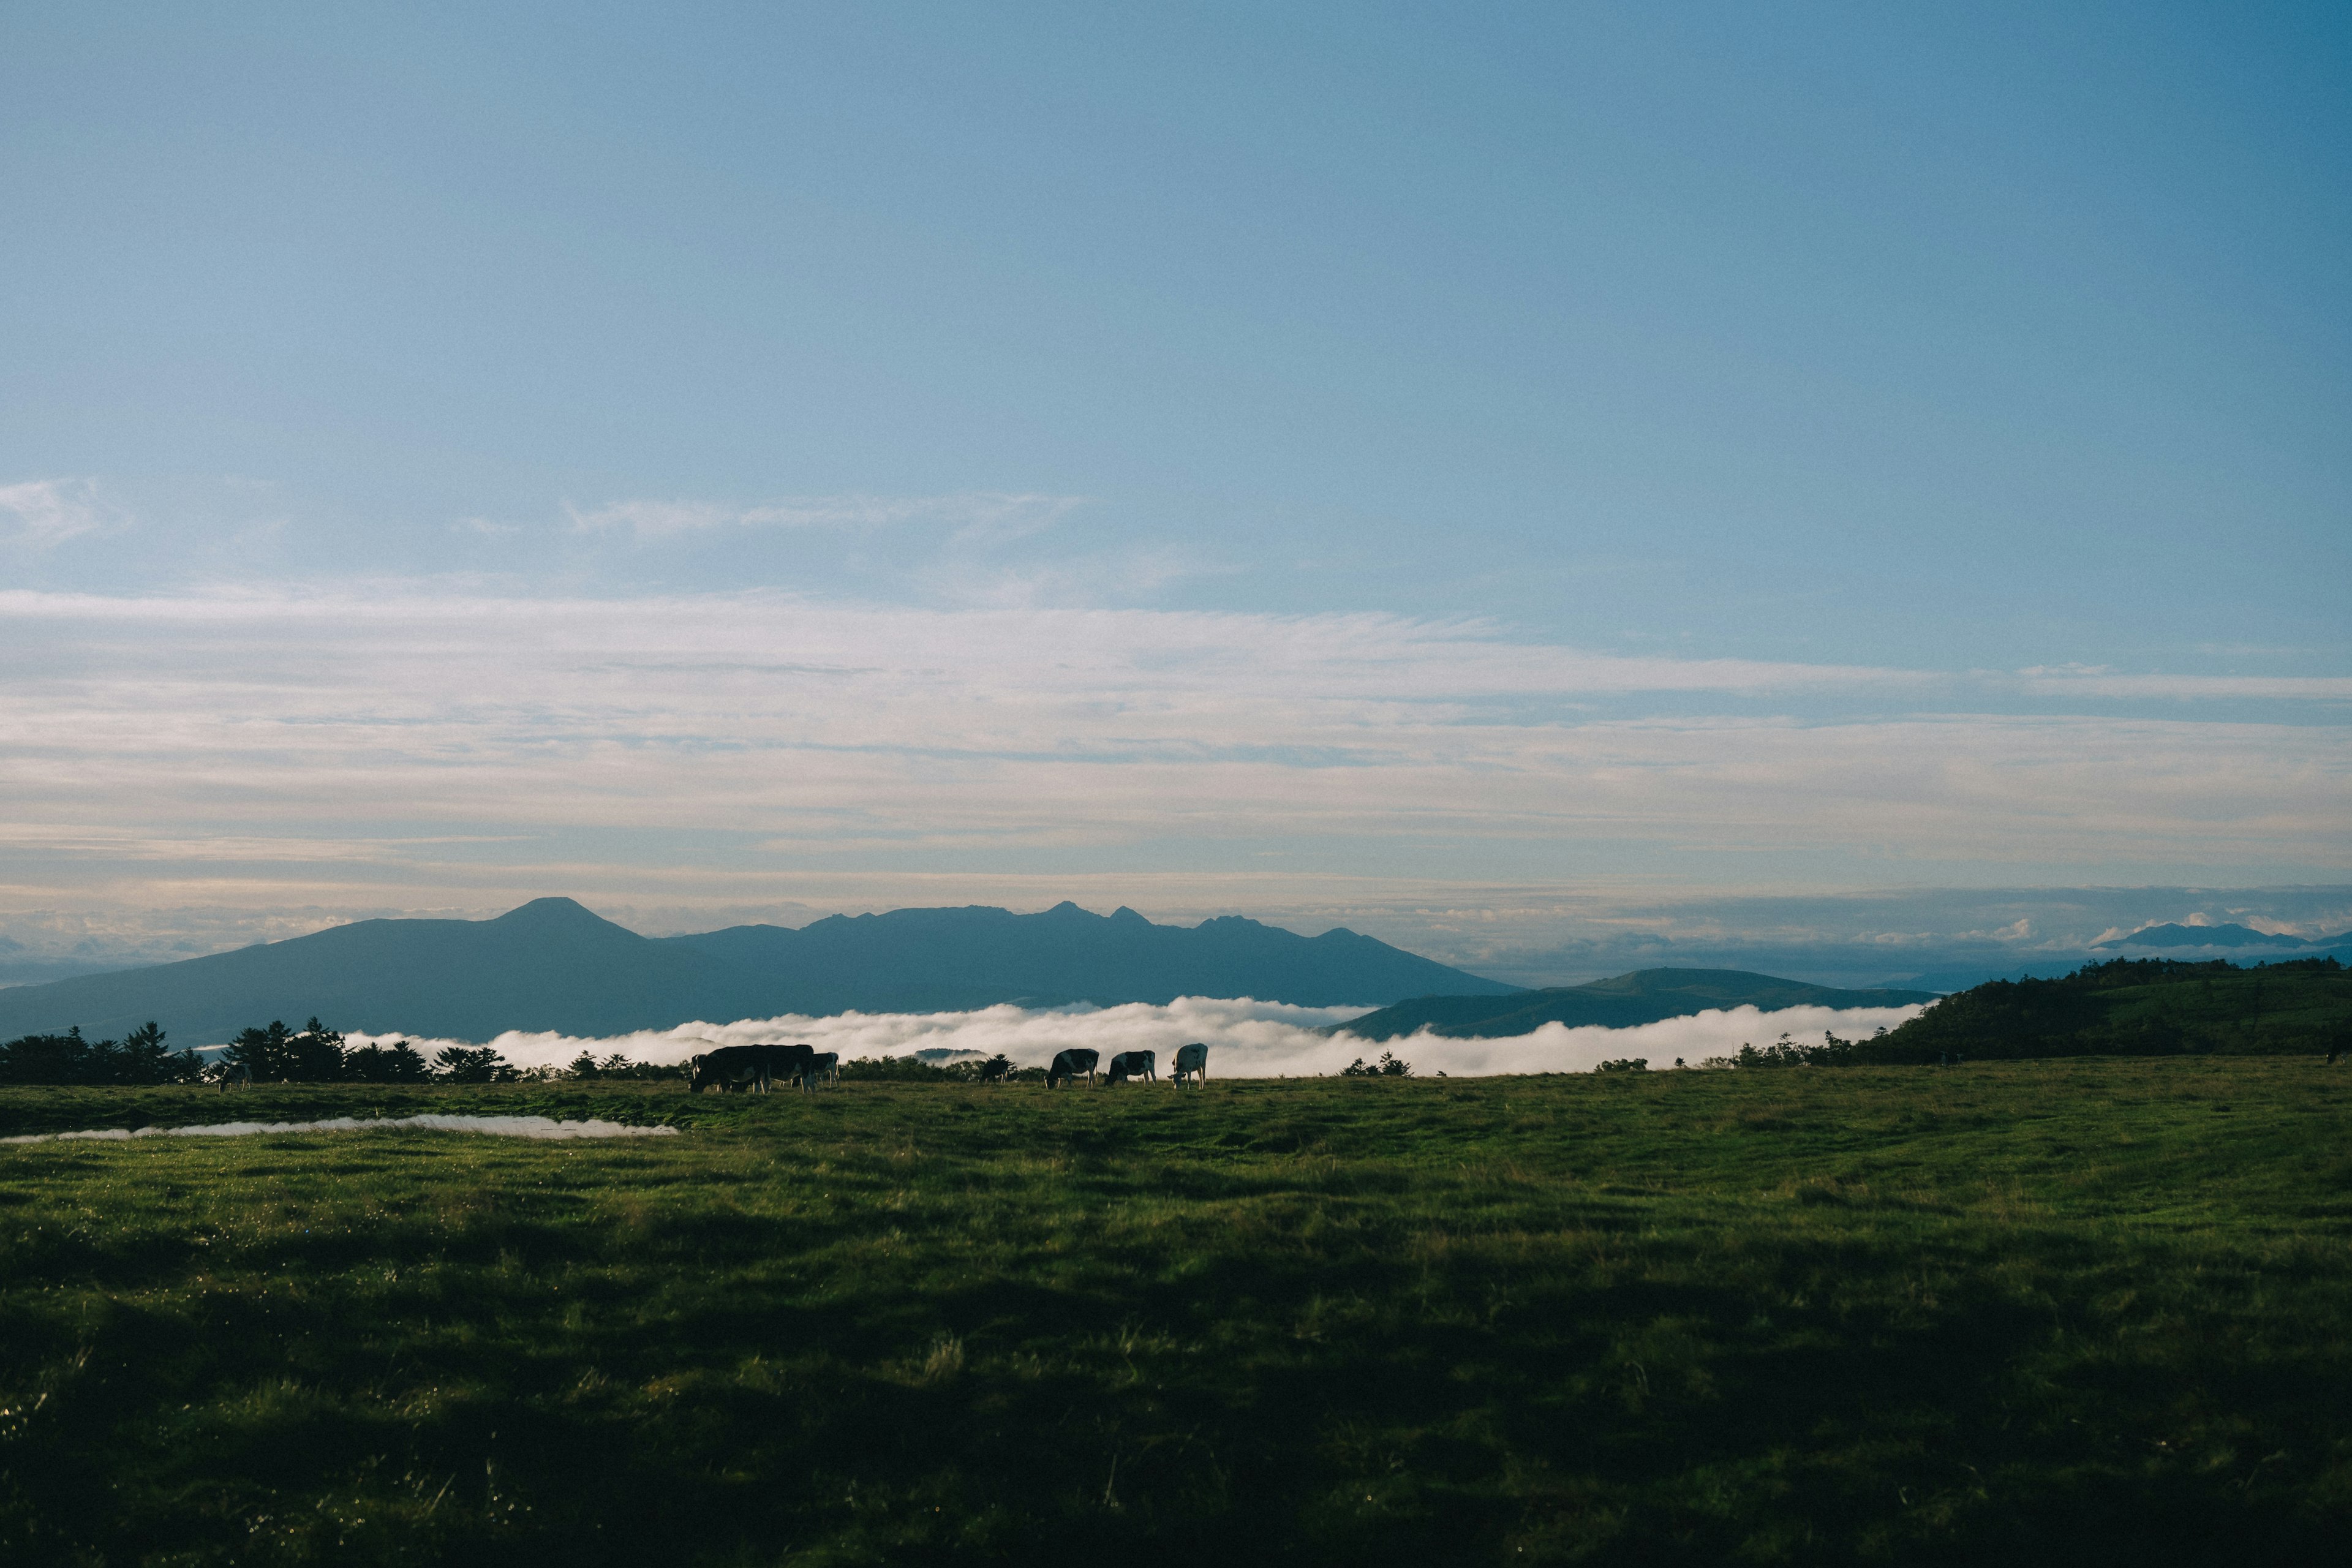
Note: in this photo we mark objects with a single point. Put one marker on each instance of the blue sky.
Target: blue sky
(1324, 462)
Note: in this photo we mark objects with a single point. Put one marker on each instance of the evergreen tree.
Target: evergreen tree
(315, 1055)
(474, 1064)
(267, 1053)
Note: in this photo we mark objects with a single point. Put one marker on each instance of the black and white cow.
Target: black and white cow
(1130, 1065)
(1193, 1063)
(822, 1067)
(996, 1069)
(1068, 1064)
(733, 1067)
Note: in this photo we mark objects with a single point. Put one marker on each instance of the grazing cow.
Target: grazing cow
(733, 1067)
(996, 1069)
(240, 1075)
(729, 1068)
(1132, 1064)
(822, 1067)
(1192, 1062)
(1068, 1064)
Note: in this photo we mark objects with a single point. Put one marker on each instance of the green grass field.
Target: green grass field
(2092, 1309)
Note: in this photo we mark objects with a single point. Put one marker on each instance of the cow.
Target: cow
(996, 1069)
(1192, 1062)
(729, 1068)
(822, 1067)
(1068, 1064)
(733, 1067)
(1132, 1065)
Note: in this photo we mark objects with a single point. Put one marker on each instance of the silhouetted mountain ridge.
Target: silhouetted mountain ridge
(1643, 996)
(551, 964)
(2179, 936)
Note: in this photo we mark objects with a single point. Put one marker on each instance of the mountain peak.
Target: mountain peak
(556, 914)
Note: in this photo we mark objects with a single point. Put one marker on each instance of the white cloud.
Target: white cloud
(1247, 1038)
(976, 517)
(2083, 680)
(840, 749)
(50, 512)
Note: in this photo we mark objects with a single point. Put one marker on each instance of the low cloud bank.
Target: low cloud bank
(504, 1126)
(1247, 1038)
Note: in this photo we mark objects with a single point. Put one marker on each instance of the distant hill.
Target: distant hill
(2164, 936)
(2143, 1006)
(930, 959)
(1644, 996)
(552, 964)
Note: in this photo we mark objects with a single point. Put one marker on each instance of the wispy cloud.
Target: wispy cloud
(206, 737)
(974, 516)
(47, 512)
(2092, 680)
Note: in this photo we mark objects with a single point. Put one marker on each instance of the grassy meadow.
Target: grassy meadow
(2088, 1310)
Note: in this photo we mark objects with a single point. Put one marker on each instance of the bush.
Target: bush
(619, 1066)
(1387, 1067)
(905, 1069)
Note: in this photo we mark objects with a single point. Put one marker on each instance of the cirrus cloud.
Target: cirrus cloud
(47, 512)
(974, 516)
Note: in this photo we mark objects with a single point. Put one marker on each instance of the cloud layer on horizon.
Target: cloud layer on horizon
(417, 743)
(1247, 1038)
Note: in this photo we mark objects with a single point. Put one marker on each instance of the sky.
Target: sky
(1523, 481)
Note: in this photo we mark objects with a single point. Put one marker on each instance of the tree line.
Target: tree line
(270, 1053)
(273, 1053)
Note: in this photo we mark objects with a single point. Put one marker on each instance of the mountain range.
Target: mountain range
(553, 965)
(1644, 996)
(2175, 936)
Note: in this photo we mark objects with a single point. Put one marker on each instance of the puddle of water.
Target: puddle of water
(503, 1126)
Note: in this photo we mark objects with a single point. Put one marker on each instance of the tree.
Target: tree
(315, 1055)
(396, 1063)
(474, 1064)
(46, 1059)
(267, 1054)
(145, 1059)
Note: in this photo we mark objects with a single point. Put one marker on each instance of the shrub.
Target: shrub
(1387, 1067)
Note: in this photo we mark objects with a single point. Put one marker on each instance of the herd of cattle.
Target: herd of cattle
(731, 1068)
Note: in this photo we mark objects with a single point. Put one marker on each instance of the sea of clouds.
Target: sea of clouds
(1247, 1038)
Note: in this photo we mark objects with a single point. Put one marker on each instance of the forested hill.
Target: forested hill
(553, 965)
(2145, 1006)
(1643, 996)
